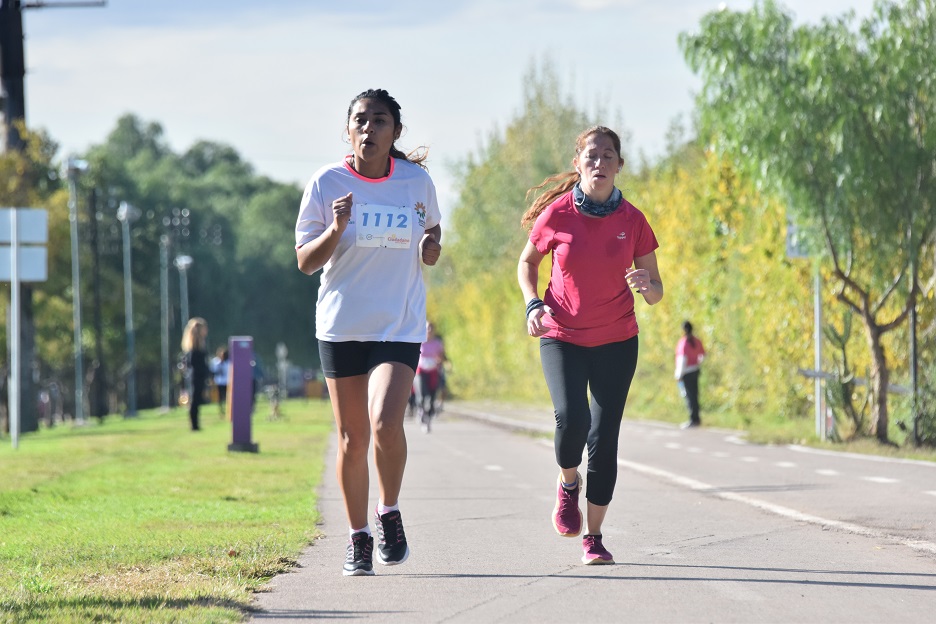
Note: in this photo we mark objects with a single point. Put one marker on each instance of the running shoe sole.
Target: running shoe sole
(358, 572)
(381, 560)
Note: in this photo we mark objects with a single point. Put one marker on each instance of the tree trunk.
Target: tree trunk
(880, 378)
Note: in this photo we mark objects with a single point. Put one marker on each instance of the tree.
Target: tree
(474, 298)
(28, 179)
(236, 225)
(842, 123)
(723, 265)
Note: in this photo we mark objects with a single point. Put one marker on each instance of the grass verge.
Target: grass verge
(142, 520)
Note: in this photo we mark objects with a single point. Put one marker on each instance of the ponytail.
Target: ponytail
(418, 156)
(563, 184)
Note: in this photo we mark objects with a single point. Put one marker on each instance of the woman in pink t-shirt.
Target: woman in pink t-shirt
(602, 252)
(428, 380)
(689, 356)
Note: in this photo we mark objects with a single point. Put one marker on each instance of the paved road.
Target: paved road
(704, 527)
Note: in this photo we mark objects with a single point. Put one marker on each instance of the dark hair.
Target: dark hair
(563, 182)
(418, 155)
(687, 328)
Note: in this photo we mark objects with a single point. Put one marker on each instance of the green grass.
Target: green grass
(142, 520)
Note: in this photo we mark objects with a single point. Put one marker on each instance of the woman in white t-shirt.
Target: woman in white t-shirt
(220, 365)
(368, 222)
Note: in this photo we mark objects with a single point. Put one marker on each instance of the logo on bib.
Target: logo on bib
(421, 214)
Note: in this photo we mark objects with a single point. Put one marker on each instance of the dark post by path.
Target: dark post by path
(241, 393)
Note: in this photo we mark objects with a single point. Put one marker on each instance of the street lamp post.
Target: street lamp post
(183, 263)
(74, 167)
(164, 314)
(127, 214)
(796, 250)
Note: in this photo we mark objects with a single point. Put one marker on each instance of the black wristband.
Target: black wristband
(533, 304)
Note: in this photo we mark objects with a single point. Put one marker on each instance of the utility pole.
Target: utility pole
(12, 71)
(98, 395)
(13, 95)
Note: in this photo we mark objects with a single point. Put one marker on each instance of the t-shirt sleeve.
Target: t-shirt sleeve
(313, 216)
(433, 212)
(543, 233)
(646, 240)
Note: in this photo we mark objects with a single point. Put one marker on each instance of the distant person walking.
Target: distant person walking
(603, 250)
(220, 367)
(428, 380)
(368, 222)
(689, 356)
(195, 359)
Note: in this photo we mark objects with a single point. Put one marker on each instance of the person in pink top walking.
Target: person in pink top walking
(689, 356)
(602, 254)
(429, 376)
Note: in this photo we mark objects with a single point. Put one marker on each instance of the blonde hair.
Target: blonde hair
(195, 334)
(562, 183)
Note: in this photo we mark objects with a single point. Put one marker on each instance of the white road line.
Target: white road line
(694, 449)
(784, 464)
(493, 468)
(933, 493)
(880, 480)
(828, 472)
(749, 459)
(873, 458)
(721, 454)
(672, 445)
(779, 510)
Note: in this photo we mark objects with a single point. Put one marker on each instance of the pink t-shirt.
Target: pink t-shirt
(431, 354)
(588, 293)
(692, 352)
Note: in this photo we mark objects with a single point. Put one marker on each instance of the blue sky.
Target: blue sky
(274, 78)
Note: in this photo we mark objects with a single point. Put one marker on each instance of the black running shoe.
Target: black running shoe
(391, 547)
(359, 561)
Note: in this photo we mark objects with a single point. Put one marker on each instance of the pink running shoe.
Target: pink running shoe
(567, 517)
(595, 553)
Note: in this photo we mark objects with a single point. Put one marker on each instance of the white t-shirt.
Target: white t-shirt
(372, 287)
(220, 369)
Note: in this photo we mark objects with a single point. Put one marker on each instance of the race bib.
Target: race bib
(383, 226)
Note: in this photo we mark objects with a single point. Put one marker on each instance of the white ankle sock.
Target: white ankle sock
(382, 509)
(366, 529)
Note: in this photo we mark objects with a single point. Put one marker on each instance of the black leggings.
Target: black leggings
(690, 386)
(571, 372)
(427, 387)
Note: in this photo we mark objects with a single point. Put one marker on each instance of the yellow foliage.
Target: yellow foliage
(722, 259)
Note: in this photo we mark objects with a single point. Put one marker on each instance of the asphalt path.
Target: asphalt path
(704, 528)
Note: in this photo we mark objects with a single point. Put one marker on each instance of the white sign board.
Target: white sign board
(31, 264)
(19, 226)
(795, 245)
(32, 226)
